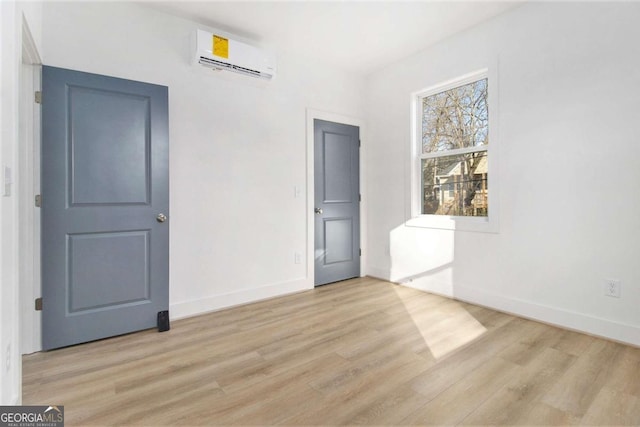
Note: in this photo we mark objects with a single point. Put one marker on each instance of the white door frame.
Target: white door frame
(28, 187)
(347, 120)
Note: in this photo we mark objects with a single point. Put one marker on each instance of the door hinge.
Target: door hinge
(39, 304)
(38, 201)
(38, 97)
(359, 197)
(360, 251)
(359, 143)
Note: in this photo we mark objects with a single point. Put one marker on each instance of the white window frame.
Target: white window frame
(488, 224)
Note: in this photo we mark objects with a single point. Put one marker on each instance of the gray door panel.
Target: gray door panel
(105, 176)
(337, 202)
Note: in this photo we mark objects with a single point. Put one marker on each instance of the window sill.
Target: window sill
(457, 223)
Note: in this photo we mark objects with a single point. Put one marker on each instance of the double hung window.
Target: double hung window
(451, 173)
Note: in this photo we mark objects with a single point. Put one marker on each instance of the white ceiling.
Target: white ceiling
(361, 36)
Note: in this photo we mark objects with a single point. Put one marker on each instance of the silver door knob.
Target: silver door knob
(161, 217)
(318, 211)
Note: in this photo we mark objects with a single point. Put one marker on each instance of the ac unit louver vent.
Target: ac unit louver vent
(223, 65)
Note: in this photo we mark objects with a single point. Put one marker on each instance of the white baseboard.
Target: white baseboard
(432, 286)
(193, 308)
(580, 322)
(378, 273)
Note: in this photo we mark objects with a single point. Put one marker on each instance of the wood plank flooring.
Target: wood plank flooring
(360, 352)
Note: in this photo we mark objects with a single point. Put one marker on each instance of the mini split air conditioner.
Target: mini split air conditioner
(223, 53)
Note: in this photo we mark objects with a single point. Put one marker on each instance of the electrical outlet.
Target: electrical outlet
(7, 361)
(297, 258)
(612, 288)
(8, 181)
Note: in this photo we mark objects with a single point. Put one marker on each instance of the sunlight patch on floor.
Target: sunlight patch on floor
(445, 328)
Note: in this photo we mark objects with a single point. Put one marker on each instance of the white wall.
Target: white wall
(237, 148)
(568, 91)
(11, 28)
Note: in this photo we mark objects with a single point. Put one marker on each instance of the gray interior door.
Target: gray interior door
(105, 181)
(337, 201)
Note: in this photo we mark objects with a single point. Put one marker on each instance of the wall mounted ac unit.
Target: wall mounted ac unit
(223, 53)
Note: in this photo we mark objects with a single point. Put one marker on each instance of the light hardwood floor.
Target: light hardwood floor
(361, 352)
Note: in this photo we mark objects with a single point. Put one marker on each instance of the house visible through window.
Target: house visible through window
(453, 150)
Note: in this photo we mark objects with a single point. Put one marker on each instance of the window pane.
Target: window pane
(456, 185)
(456, 118)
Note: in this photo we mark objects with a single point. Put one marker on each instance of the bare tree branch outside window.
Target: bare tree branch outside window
(455, 136)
